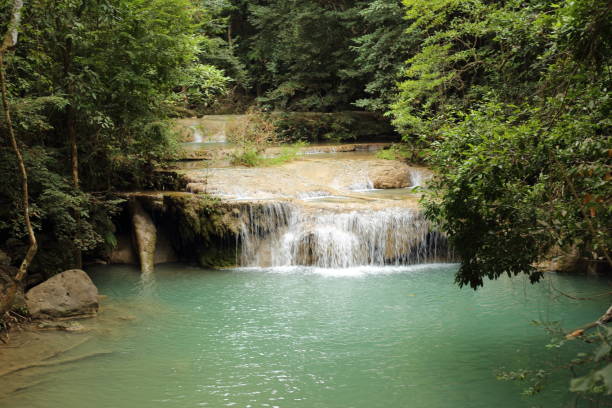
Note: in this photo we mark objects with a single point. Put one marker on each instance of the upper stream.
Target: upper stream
(367, 337)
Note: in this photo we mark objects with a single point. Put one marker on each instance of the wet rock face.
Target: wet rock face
(70, 293)
(164, 252)
(124, 253)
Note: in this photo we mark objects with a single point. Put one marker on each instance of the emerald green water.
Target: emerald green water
(362, 337)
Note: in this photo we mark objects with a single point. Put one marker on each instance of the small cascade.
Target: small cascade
(419, 176)
(261, 228)
(198, 137)
(287, 234)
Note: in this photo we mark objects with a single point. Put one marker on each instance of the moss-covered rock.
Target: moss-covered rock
(201, 229)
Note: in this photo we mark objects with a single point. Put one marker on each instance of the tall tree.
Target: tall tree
(381, 51)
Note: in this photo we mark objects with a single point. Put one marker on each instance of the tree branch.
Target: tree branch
(603, 320)
(10, 40)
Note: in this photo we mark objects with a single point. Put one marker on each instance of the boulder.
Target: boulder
(390, 175)
(70, 293)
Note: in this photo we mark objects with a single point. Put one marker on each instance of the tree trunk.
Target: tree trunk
(74, 166)
(74, 151)
(10, 40)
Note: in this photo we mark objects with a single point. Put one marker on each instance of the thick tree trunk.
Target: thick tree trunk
(10, 40)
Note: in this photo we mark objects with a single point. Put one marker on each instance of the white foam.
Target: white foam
(351, 272)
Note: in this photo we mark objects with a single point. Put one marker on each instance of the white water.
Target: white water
(419, 177)
(350, 272)
(286, 234)
(198, 137)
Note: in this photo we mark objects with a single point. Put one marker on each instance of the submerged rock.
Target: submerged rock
(68, 294)
(69, 326)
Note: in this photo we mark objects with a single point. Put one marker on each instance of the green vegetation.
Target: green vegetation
(287, 153)
(90, 85)
(336, 127)
(399, 152)
(256, 133)
(252, 136)
(517, 114)
(250, 157)
(311, 55)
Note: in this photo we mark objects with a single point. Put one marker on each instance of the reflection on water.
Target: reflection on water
(309, 337)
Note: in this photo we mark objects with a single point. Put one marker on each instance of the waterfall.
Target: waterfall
(419, 176)
(198, 137)
(286, 234)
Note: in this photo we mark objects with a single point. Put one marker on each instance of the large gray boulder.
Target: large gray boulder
(70, 293)
(392, 174)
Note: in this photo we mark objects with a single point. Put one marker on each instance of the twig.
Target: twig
(577, 297)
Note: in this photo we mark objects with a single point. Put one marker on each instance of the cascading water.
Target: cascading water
(287, 234)
(332, 210)
(198, 137)
(419, 176)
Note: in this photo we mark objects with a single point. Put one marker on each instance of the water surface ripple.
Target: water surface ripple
(315, 337)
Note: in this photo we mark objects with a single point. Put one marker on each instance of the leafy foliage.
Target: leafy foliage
(109, 70)
(299, 53)
(518, 124)
(202, 86)
(592, 372)
(381, 50)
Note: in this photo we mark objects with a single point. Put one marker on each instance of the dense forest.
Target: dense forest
(507, 102)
